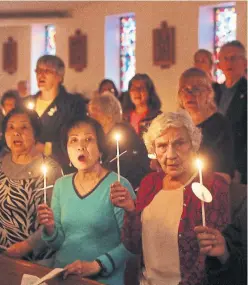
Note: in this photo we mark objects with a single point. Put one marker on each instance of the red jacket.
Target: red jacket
(217, 216)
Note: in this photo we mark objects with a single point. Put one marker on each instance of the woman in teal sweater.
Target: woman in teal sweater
(83, 225)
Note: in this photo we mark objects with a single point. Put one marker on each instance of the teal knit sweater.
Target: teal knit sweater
(88, 227)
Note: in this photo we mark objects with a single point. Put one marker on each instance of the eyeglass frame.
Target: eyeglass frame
(46, 71)
(186, 90)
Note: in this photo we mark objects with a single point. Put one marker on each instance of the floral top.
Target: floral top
(217, 216)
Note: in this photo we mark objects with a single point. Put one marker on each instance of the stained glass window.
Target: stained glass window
(127, 50)
(224, 31)
(50, 39)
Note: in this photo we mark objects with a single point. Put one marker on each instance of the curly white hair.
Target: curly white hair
(176, 120)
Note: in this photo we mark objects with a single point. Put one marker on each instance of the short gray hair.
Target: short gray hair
(55, 62)
(109, 105)
(176, 120)
(236, 44)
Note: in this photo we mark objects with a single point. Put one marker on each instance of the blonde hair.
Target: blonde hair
(197, 73)
(176, 120)
(109, 105)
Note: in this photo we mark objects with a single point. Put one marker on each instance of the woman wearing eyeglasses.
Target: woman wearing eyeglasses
(142, 103)
(54, 106)
(196, 96)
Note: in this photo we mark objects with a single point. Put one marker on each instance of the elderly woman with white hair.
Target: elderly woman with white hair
(196, 96)
(134, 163)
(160, 224)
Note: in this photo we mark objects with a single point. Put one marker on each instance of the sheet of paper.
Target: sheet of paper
(30, 280)
(50, 275)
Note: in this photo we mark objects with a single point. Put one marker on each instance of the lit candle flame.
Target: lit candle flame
(30, 105)
(117, 136)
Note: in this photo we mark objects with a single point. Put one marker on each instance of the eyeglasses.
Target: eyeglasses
(44, 71)
(195, 91)
(231, 58)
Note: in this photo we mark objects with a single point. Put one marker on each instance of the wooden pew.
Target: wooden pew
(12, 271)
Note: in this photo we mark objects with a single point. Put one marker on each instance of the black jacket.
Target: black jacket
(63, 109)
(217, 144)
(237, 115)
(134, 165)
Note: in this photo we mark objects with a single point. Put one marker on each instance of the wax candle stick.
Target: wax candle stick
(199, 166)
(119, 156)
(44, 170)
(117, 137)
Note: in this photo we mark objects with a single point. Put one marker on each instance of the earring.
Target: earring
(100, 159)
(70, 164)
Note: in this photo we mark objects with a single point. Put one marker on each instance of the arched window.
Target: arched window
(127, 50)
(225, 25)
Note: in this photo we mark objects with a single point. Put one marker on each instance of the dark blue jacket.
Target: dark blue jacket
(63, 109)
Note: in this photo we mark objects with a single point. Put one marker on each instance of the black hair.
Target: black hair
(11, 94)
(105, 81)
(32, 116)
(153, 103)
(100, 135)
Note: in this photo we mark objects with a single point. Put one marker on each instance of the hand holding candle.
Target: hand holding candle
(44, 170)
(117, 137)
(201, 191)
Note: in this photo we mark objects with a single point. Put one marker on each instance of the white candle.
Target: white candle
(199, 166)
(44, 170)
(117, 137)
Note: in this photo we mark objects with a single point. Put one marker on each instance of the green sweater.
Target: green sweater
(88, 227)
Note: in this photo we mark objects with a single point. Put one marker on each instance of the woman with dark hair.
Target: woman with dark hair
(9, 101)
(108, 85)
(21, 179)
(142, 103)
(82, 224)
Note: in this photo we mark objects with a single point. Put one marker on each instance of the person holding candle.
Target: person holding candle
(196, 96)
(226, 251)
(54, 105)
(134, 164)
(160, 225)
(20, 179)
(83, 225)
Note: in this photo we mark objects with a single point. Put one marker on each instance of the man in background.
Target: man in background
(23, 88)
(231, 100)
